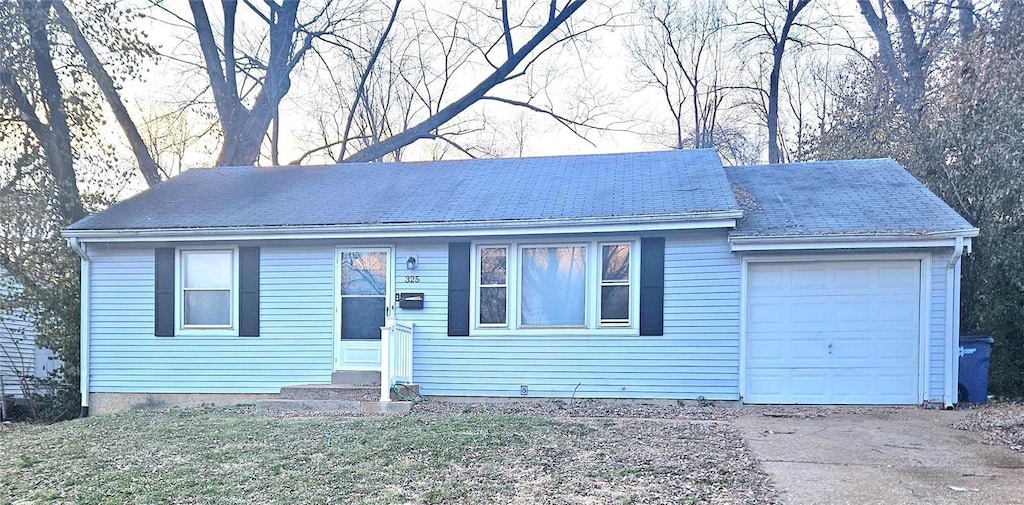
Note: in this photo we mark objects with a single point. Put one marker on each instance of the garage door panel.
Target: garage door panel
(765, 313)
(896, 278)
(833, 332)
(767, 278)
(829, 386)
(809, 279)
(905, 311)
(855, 279)
(766, 353)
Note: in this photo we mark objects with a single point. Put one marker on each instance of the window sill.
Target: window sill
(570, 333)
(209, 332)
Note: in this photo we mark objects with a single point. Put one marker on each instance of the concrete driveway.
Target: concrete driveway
(882, 455)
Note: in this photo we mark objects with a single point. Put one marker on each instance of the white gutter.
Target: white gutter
(633, 224)
(82, 250)
(79, 247)
(850, 241)
(952, 365)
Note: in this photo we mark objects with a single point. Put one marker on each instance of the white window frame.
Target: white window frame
(477, 260)
(229, 330)
(513, 299)
(631, 279)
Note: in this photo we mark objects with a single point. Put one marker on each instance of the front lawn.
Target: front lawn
(241, 456)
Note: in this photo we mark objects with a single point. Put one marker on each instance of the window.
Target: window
(493, 286)
(538, 288)
(207, 294)
(615, 284)
(554, 286)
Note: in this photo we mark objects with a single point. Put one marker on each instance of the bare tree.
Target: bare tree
(147, 166)
(919, 38)
(369, 51)
(177, 138)
(507, 61)
(51, 129)
(680, 51)
(774, 23)
(288, 40)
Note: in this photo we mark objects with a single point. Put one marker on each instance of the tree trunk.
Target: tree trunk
(244, 129)
(914, 59)
(774, 153)
(778, 51)
(909, 88)
(56, 139)
(147, 166)
(966, 23)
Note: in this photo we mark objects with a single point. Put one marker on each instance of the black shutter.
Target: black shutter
(652, 286)
(164, 292)
(248, 291)
(458, 289)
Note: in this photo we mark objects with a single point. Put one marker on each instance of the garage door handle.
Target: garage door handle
(830, 347)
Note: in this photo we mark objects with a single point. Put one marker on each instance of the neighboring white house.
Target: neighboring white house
(19, 356)
(645, 276)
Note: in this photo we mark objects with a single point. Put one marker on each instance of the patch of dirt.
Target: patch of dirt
(998, 422)
(582, 408)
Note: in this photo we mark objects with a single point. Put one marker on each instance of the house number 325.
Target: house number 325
(412, 279)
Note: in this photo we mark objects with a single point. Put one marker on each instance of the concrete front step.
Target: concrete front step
(330, 392)
(335, 406)
(345, 392)
(356, 377)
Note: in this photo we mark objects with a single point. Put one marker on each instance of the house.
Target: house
(657, 275)
(20, 359)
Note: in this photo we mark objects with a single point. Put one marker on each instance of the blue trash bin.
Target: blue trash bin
(975, 351)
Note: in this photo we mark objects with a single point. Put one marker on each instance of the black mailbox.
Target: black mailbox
(410, 301)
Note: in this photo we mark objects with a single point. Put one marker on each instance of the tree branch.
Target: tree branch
(425, 127)
(361, 88)
(506, 30)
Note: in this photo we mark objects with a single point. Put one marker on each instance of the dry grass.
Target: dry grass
(240, 456)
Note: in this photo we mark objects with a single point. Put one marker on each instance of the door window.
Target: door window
(363, 294)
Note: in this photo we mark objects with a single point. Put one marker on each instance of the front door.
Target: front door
(364, 277)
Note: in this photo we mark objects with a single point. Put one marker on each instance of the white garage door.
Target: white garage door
(841, 332)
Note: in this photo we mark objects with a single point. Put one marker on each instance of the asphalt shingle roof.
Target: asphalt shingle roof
(856, 197)
(548, 188)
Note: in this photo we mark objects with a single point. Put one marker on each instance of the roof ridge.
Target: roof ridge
(815, 162)
(466, 160)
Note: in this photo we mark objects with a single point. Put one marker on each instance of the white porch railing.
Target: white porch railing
(395, 356)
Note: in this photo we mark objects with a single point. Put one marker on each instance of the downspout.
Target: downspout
(82, 251)
(952, 365)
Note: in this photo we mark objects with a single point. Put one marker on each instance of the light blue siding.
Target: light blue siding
(296, 329)
(697, 356)
(937, 324)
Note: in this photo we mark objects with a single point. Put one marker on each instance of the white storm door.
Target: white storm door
(833, 332)
(363, 291)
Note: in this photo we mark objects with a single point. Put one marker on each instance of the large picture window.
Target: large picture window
(537, 288)
(207, 281)
(554, 286)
